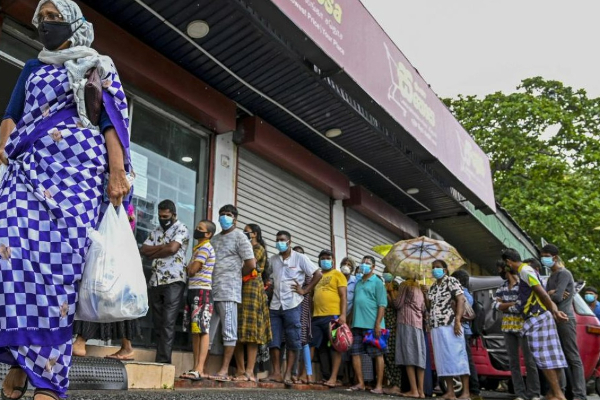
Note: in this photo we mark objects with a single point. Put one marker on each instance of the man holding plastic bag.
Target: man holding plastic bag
(166, 246)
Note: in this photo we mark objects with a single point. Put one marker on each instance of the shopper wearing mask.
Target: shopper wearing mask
(329, 304)
(370, 302)
(512, 325)
(449, 348)
(52, 194)
(591, 298)
(540, 313)
(347, 267)
(254, 327)
(561, 288)
(289, 271)
(393, 372)
(235, 259)
(166, 246)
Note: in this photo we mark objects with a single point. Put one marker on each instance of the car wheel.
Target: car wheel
(457, 385)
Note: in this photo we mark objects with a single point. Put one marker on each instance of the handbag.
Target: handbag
(92, 93)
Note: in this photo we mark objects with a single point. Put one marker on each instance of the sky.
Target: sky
(477, 47)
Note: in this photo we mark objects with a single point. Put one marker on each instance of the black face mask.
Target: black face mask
(54, 33)
(502, 274)
(165, 223)
(199, 234)
(248, 235)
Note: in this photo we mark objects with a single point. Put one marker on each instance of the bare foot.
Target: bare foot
(415, 395)
(421, 395)
(465, 396)
(15, 378)
(79, 347)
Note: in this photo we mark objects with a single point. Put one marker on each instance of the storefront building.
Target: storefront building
(251, 114)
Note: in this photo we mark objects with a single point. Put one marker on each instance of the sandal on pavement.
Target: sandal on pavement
(355, 388)
(192, 375)
(45, 392)
(377, 391)
(121, 357)
(240, 378)
(21, 389)
(271, 380)
(220, 378)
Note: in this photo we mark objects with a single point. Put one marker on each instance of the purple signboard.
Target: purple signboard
(348, 34)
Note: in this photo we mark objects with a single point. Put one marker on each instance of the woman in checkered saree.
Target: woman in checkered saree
(52, 194)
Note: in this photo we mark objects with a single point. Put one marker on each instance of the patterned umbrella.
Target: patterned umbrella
(408, 258)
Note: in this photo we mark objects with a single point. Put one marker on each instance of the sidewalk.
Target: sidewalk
(241, 394)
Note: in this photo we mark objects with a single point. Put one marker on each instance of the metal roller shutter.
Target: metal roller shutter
(363, 234)
(276, 200)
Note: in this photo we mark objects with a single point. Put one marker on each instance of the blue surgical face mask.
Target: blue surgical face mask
(387, 277)
(589, 298)
(226, 222)
(326, 264)
(359, 276)
(437, 273)
(366, 268)
(281, 246)
(547, 261)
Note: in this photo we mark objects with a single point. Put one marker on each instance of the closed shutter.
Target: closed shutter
(276, 200)
(364, 234)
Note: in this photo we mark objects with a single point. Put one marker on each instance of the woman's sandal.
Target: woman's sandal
(21, 389)
(192, 375)
(45, 392)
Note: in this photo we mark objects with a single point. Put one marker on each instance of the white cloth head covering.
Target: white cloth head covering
(84, 35)
(78, 58)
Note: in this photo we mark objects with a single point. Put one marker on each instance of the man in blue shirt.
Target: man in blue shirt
(370, 301)
(591, 297)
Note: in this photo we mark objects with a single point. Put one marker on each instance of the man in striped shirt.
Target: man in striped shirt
(512, 324)
(539, 327)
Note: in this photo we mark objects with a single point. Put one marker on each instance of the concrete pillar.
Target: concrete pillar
(225, 173)
(338, 230)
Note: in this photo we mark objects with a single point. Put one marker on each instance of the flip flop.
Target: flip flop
(270, 380)
(21, 389)
(220, 378)
(288, 382)
(240, 378)
(377, 391)
(45, 392)
(120, 357)
(355, 388)
(331, 385)
(192, 375)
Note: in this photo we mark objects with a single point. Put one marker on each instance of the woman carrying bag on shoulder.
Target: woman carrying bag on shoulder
(59, 147)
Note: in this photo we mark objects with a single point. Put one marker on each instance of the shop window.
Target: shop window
(170, 162)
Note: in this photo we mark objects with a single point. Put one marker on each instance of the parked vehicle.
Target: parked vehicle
(489, 351)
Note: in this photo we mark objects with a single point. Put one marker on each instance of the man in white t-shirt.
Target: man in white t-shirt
(289, 270)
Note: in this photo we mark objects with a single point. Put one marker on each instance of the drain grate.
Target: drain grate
(92, 373)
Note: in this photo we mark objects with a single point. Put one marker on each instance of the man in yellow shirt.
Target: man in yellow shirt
(329, 303)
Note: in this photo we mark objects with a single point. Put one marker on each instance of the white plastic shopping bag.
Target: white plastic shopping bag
(113, 287)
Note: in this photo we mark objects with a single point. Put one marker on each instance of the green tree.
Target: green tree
(544, 146)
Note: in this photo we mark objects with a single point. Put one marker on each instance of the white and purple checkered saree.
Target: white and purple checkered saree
(49, 197)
